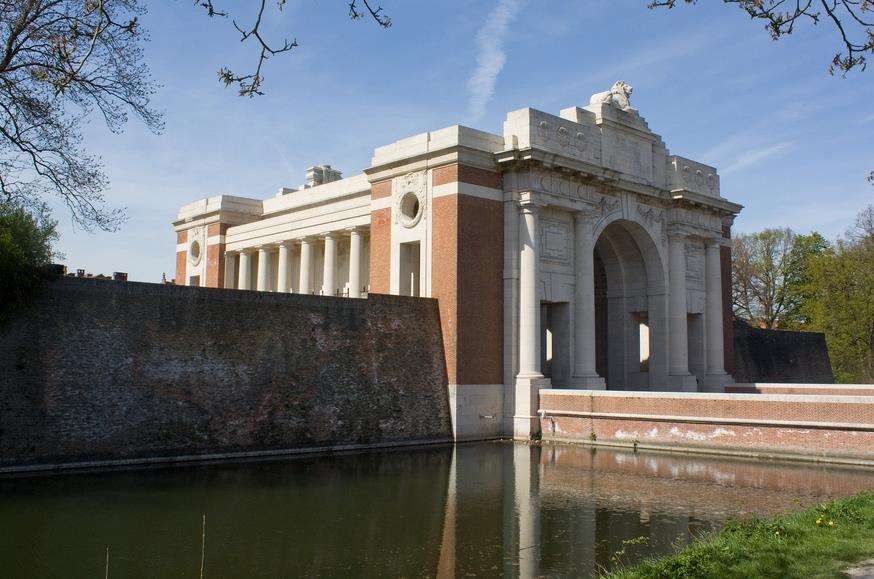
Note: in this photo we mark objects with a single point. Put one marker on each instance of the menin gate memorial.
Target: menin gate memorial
(569, 251)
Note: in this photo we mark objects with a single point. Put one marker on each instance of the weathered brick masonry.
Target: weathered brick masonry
(106, 370)
(833, 427)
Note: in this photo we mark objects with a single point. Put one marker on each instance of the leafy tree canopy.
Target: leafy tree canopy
(26, 239)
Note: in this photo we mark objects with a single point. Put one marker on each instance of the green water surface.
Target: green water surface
(475, 510)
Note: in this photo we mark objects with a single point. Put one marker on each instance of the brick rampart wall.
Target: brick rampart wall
(827, 389)
(100, 370)
(780, 356)
(810, 426)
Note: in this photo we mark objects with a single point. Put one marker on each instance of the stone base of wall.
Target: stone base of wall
(477, 411)
(804, 427)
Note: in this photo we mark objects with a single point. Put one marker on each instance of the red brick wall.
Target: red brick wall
(215, 256)
(480, 290)
(467, 174)
(444, 276)
(181, 237)
(630, 417)
(380, 251)
(380, 189)
(467, 276)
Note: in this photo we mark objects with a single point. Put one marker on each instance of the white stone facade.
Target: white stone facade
(569, 251)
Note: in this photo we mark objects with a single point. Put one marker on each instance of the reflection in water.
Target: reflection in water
(480, 509)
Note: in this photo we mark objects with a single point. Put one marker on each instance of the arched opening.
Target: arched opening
(630, 309)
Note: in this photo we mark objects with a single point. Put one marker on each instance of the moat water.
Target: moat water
(481, 510)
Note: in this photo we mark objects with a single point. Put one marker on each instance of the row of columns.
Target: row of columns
(584, 356)
(715, 377)
(305, 280)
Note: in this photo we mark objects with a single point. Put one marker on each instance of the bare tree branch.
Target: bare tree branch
(853, 20)
(62, 61)
(249, 85)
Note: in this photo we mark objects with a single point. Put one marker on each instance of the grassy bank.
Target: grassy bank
(816, 542)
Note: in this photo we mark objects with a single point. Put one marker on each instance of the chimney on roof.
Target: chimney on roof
(321, 174)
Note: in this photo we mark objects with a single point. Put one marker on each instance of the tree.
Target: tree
(250, 84)
(770, 276)
(842, 280)
(853, 22)
(62, 61)
(799, 292)
(26, 238)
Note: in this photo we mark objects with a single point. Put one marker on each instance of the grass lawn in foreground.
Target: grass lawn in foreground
(816, 542)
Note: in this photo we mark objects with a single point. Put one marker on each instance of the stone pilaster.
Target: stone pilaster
(716, 378)
(678, 369)
(585, 375)
(530, 379)
(230, 262)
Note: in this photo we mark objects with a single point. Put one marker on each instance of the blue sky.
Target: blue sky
(792, 143)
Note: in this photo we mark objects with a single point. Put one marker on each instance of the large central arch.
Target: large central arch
(630, 308)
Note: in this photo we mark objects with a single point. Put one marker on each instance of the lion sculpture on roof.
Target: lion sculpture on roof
(619, 95)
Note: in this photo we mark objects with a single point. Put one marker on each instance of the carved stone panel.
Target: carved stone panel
(555, 240)
(695, 266)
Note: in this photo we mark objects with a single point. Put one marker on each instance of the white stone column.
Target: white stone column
(355, 245)
(230, 261)
(306, 266)
(585, 375)
(244, 282)
(679, 376)
(283, 283)
(529, 302)
(716, 378)
(530, 379)
(329, 284)
(263, 268)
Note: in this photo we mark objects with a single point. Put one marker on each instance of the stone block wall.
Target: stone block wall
(100, 370)
(780, 356)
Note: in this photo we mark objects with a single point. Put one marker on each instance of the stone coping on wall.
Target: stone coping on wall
(801, 389)
(810, 385)
(222, 294)
(708, 396)
(784, 410)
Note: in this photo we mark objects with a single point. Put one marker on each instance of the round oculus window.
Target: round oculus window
(194, 251)
(410, 209)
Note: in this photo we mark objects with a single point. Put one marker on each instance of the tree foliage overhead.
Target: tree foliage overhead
(60, 62)
(852, 20)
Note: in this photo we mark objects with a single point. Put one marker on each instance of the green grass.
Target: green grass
(816, 542)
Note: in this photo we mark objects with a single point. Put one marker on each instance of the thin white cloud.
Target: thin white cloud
(868, 119)
(753, 156)
(490, 58)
